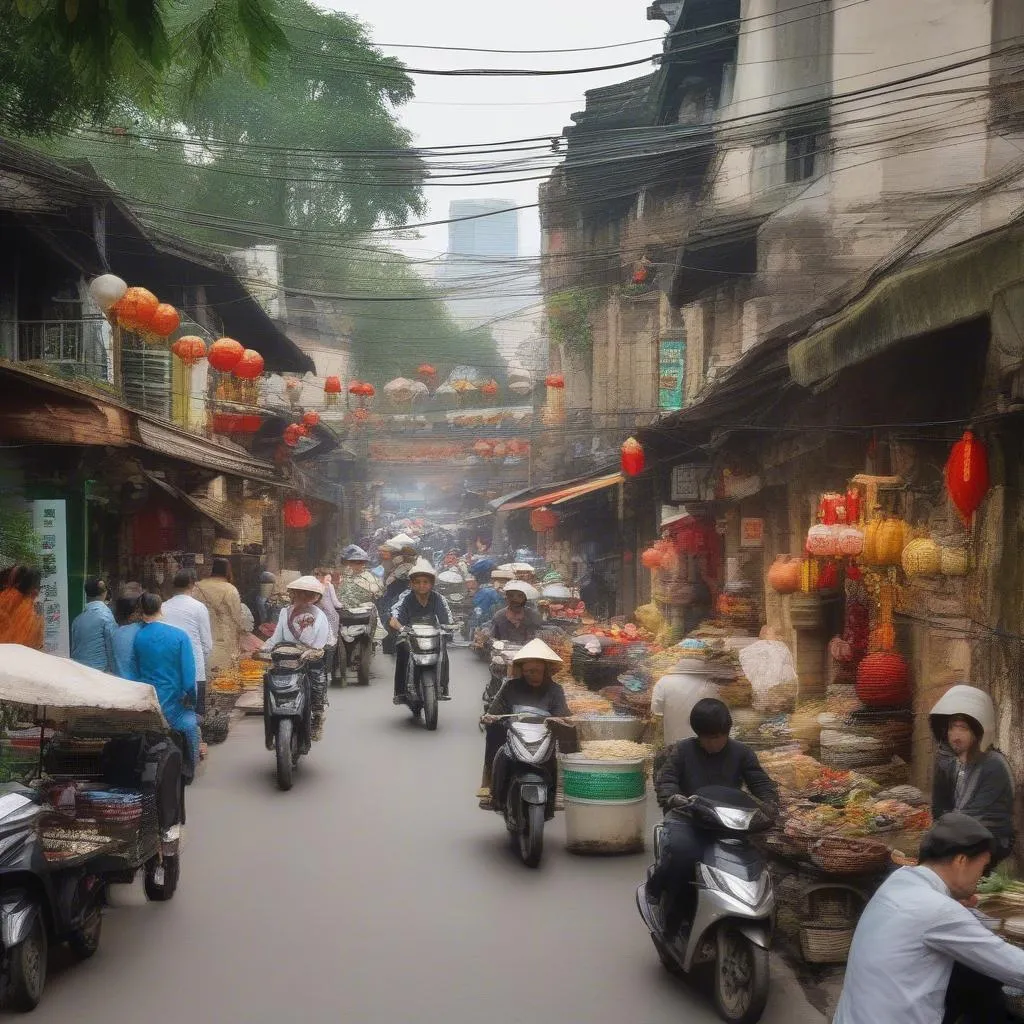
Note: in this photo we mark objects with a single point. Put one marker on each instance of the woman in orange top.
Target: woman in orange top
(20, 623)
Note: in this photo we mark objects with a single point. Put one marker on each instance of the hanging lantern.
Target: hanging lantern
(107, 290)
(189, 349)
(651, 559)
(250, 366)
(355, 388)
(367, 390)
(883, 680)
(555, 381)
(426, 371)
(164, 321)
(784, 574)
(828, 576)
(967, 478)
(490, 388)
(225, 354)
(543, 520)
(632, 457)
(296, 514)
(135, 309)
(822, 541)
(292, 435)
(332, 388)
(311, 418)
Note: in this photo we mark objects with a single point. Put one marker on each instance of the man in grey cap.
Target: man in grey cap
(917, 929)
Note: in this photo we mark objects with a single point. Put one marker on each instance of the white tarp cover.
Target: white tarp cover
(32, 677)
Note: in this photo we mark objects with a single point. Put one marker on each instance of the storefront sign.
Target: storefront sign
(751, 533)
(692, 482)
(49, 518)
(672, 374)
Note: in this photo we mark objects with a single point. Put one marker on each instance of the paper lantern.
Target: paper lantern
(311, 418)
(296, 515)
(292, 435)
(225, 354)
(632, 457)
(250, 366)
(651, 559)
(164, 321)
(850, 541)
(922, 557)
(107, 290)
(426, 371)
(490, 388)
(784, 574)
(883, 680)
(967, 478)
(367, 390)
(135, 309)
(332, 386)
(189, 349)
(555, 381)
(955, 561)
(822, 541)
(543, 520)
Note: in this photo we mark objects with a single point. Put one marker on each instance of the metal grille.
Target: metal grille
(147, 381)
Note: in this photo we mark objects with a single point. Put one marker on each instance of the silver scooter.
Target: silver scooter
(427, 673)
(732, 925)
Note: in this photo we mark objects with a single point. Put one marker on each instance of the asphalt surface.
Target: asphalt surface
(376, 890)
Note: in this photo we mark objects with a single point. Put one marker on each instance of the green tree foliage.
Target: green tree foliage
(65, 60)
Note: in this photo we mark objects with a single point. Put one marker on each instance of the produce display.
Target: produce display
(615, 750)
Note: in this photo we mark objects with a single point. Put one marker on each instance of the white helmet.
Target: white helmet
(307, 584)
(421, 567)
(527, 590)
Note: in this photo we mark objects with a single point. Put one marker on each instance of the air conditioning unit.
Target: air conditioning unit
(146, 379)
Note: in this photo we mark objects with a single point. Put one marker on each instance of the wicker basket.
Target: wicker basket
(825, 945)
(895, 774)
(215, 728)
(840, 855)
(221, 702)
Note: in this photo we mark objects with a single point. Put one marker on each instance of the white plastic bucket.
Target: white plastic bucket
(605, 826)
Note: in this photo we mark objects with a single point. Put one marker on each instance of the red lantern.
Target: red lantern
(189, 349)
(633, 460)
(828, 577)
(490, 388)
(426, 371)
(251, 424)
(883, 680)
(250, 366)
(332, 386)
(225, 354)
(640, 275)
(227, 423)
(543, 520)
(292, 435)
(164, 321)
(367, 390)
(967, 478)
(296, 515)
(355, 388)
(652, 559)
(311, 418)
(135, 309)
(555, 380)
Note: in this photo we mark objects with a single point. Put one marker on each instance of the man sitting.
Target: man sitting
(916, 929)
(711, 758)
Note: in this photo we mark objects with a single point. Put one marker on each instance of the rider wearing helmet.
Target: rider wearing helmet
(419, 604)
(516, 623)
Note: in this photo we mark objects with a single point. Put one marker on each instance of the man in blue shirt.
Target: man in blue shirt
(92, 632)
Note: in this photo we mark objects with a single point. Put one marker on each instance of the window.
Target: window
(801, 155)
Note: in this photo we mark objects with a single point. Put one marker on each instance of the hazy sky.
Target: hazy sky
(451, 111)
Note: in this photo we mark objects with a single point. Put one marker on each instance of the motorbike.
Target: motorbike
(356, 642)
(502, 653)
(525, 792)
(288, 708)
(731, 927)
(427, 676)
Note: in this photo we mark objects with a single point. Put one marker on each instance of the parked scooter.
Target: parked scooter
(356, 642)
(731, 927)
(427, 676)
(288, 707)
(524, 788)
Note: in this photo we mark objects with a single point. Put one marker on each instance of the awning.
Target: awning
(929, 294)
(179, 444)
(560, 496)
(218, 513)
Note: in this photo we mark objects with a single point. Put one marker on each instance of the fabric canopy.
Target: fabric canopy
(561, 495)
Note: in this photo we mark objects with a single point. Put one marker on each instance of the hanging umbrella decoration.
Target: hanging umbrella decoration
(632, 457)
(967, 475)
(332, 389)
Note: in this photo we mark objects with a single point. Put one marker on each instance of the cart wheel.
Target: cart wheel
(365, 657)
(24, 978)
(86, 940)
(162, 877)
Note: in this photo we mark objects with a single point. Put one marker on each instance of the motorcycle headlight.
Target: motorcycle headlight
(750, 893)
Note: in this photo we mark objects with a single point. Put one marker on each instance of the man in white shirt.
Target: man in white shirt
(676, 693)
(916, 928)
(193, 617)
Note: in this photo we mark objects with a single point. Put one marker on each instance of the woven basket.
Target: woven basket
(799, 839)
(896, 774)
(825, 945)
(215, 728)
(221, 702)
(839, 855)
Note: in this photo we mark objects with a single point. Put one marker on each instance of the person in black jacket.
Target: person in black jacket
(711, 758)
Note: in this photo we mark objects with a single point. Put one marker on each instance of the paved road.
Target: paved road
(377, 891)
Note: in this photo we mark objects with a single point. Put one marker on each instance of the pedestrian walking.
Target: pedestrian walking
(92, 632)
(192, 616)
(224, 603)
(129, 621)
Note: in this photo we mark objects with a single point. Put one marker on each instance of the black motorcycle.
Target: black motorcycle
(427, 672)
(356, 632)
(288, 707)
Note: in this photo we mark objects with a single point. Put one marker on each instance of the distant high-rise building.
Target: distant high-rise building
(482, 229)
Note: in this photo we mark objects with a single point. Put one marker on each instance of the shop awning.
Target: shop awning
(180, 444)
(560, 496)
(931, 293)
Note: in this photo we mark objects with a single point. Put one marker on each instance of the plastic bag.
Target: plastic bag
(768, 664)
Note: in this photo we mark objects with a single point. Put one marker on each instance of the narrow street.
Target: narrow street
(377, 891)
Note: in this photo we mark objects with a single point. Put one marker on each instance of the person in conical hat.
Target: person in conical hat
(530, 685)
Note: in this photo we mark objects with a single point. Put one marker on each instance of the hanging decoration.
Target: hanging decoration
(296, 514)
(784, 574)
(967, 477)
(543, 519)
(332, 388)
(922, 557)
(883, 680)
(250, 366)
(292, 434)
(134, 311)
(225, 354)
(651, 558)
(426, 371)
(190, 349)
(632, 457)
(107, 290)
(489, 388)
(164, 321)
(311, 418)
(555, 381)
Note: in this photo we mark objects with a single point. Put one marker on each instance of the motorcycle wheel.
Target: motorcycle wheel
(285, 742)
(161, 892)
(24, 976)
(365, 657)
(531, 836)
(741, 977)
(86, 940)
(429, 683)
